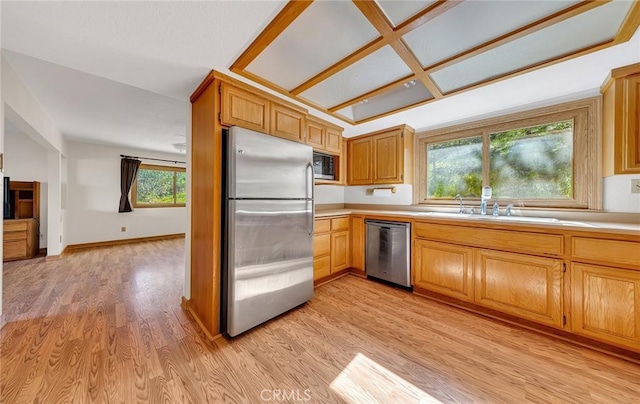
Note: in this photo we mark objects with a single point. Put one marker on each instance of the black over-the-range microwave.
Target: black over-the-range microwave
(323, 166)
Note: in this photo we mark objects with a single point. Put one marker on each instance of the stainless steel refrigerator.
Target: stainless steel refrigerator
(268, 261)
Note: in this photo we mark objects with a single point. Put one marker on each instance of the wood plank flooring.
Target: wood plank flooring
(105, 326)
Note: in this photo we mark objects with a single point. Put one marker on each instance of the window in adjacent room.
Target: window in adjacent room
(159, 186)
(546, 158)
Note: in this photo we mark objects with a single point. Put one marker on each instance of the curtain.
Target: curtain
(128, 170)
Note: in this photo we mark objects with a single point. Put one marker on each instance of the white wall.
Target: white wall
(94, 195)
(618, 196)
(329, 194)
(26, 160)
(358, 194)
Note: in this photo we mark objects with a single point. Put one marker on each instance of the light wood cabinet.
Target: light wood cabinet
(287, 123)
(324, 136)
(383, 157)
(444, 268)
(358, 235)
(621, 129)
(359, 157)
(331, 247)
(339, 251)
(20, 239)
(606, 304)
(522, 285)
(244, 109)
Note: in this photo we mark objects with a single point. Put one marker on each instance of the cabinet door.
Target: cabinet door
(315, 135)
(287, 123)
(339, 251)
(333, 140)
(631, 125)
(388, 158)
(521, 285)
(444, 268)
(359, 162)
(244, 109)
(15, 249)
(321, 268)
(321, 244)
(357, 242)
(606, 304)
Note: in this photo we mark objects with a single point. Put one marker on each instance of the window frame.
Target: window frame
(134, 187)
(587, 152)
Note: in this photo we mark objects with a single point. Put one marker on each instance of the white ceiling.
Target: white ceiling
(122, 72)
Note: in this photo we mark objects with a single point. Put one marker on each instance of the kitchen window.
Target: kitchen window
(159, 186)
(547, 157)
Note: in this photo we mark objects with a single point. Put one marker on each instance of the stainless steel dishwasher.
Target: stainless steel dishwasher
(388, 251)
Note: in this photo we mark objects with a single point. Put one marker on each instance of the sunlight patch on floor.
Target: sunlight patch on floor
(365, 381)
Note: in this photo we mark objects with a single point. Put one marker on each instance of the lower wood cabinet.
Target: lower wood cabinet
(358, 234)
(331, 252)
(606, 304)
(444, 268)
(522, 285)
(20, 239)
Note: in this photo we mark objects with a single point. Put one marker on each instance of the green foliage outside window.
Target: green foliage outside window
(525, 163)
(160, 186)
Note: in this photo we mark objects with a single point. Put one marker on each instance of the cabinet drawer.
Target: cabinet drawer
(341, 223)
(321, 268)
(532, 243)
(322, 226)
(15, 226)
(14, 249)
(608, 251)
(321, 245)
(15, 235)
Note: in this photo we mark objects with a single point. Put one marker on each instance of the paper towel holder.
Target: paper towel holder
(370, 190)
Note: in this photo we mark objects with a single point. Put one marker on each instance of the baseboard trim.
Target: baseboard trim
(56, 257)
(549, 331)
(42, 251)
(109, 243)
(358, 272)
(206, 332)
(330, 278)
(184, 303)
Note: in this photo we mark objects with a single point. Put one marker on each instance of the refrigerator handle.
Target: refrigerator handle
(313, 204)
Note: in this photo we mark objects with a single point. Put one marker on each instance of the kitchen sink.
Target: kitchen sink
(517, 219)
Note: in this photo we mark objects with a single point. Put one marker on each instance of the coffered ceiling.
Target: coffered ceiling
(361, 60)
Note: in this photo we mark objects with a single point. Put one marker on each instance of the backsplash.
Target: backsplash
(403, 195)
(618, 196)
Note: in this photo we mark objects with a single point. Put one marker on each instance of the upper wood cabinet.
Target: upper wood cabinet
(359, 158)
(324, 136)
(287, 123)
(383, 157)
(243, 108)
(621, 129)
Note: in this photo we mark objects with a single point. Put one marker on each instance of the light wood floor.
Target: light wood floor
(105, 325)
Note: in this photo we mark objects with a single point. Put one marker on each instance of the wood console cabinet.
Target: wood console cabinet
(382, 157)
(330, 247)
(20, 239)
(621, 129)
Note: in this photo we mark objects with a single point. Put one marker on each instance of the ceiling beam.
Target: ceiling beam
(285, 17)
(630, 24)
(372, 93)
(388, 35)
(377, 18)
(537, 25)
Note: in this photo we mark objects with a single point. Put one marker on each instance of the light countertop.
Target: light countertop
(573, 225)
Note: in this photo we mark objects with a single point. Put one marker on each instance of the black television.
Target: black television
(6, 198)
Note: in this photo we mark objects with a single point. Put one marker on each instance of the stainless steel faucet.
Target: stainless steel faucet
(496, 209)
(483, 207)
(508, 210)
(461, 210)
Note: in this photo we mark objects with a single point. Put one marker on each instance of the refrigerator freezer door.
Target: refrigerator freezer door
(270, 260)
(263, 166)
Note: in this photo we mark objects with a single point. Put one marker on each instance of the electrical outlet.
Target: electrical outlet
(123, 229)
(635, 186)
